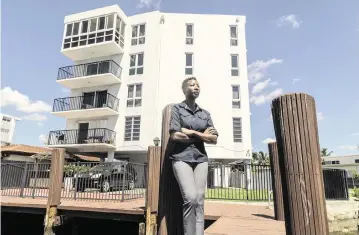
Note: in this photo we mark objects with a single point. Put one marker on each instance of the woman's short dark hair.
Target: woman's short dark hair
(184, 83)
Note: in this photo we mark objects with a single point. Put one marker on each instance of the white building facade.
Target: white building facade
(350, 163)
(8, 124)
(127, 69)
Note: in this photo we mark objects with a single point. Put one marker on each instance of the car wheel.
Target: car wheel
(131, 185)
(105, 186)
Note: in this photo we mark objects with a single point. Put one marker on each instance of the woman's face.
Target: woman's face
(192, 90)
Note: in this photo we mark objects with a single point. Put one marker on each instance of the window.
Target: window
(189, 34)
(132, 128)
(134, 96)
(94, 30)
(335, 162)
(331, 162)
(6, 119)
(234, 35)
(234, 65)
(356, 160)
(189, 64)
(138, 34)
(4, 130)
(236, 102)
(237, 129)
(136, 64)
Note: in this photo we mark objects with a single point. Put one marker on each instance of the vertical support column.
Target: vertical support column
(56, 174)
(296, 129)
(110, 155)
(152, 192)
(276, 181)
(170, 219)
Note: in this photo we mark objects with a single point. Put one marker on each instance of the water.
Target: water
(32, 224)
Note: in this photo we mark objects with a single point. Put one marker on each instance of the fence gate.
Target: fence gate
(335, 184)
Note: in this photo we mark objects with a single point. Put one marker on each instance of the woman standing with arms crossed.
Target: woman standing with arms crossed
(191, 127)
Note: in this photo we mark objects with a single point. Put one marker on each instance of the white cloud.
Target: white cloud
(149, 4)
(22, 102)
(295, 80)
(291, 20)
(349, 147)
(268, 140)
(40, 124)
(320, 116)
(265, 97)
(43, 138)
(258, 69)
(354, 134)
(34, 117)
(258, 87)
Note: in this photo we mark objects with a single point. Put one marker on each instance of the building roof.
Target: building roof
(28, 149)
(349, 156)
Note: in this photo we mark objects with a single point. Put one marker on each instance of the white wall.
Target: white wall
(7, 136)
(164, 71)
(350, 159)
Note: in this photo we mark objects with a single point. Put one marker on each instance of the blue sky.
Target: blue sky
(293, 46)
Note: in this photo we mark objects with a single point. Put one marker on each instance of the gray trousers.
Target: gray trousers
(192, 178)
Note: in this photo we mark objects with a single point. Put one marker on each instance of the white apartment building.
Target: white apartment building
(126, 69)
(8, 124)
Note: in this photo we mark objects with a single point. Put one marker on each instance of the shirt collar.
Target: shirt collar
(184, 105)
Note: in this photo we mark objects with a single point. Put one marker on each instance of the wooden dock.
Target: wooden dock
(230, 218)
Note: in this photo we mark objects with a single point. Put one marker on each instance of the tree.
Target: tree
(260, 158)
(324, 152)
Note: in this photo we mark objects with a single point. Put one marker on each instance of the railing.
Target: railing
(25, 179)
(82, 136)
(97, 181)
(254, 182)
(104, 181)
(238, 182)
(86, 102)
(88, 69)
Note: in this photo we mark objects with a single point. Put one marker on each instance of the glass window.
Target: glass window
(68, 30)
(93, 24)
(109, 22)
(84, 27)
(101, 24)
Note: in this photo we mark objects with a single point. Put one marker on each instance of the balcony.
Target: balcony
(90, 74)
(90, 105)
(85, 139)
(96, 37)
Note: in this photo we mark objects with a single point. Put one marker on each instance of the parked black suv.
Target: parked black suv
(107, 176)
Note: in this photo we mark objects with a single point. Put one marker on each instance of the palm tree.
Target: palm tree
(324, 152)
(260, 158)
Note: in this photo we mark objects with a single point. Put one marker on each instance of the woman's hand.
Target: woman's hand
(187, 131)
(210, 130)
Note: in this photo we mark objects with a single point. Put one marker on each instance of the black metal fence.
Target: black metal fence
(239, 182)
(117, 181)
(253, 182)
(82, 136)
(335, 184)
(86, 102)
(88, 69)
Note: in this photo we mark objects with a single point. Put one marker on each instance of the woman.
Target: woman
(191, 127)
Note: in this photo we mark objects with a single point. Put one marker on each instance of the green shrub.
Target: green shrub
(356, 192)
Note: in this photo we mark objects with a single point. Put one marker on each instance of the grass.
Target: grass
(345, 233)
(236, 194)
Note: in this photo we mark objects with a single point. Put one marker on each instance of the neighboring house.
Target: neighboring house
(27, 153)
(126, 69)
(8, 124)
(349, 163)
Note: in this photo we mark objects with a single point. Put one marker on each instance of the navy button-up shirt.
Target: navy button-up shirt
(199, 120)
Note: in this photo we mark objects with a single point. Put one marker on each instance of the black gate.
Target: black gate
(335, 184)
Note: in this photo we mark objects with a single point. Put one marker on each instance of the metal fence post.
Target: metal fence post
(76, 181)
(23, 181)
(36, 166)
(123, 186)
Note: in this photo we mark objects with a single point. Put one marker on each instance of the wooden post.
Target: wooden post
(296, 129)
(276, 182)
(56, 174)
(170, 199)
(152, 192)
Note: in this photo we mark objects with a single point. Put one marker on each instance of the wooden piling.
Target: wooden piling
(170, 220)
(296, 129)
(276, 181)
(56, 174)
(152, 192)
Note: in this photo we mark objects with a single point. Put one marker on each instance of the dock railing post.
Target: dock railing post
(276, 181)
(296, 130)
(56, 175)
(170, 219)
(152, 192)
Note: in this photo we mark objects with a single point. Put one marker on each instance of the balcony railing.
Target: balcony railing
(82, 136)
(89, 69)
(86, 102)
